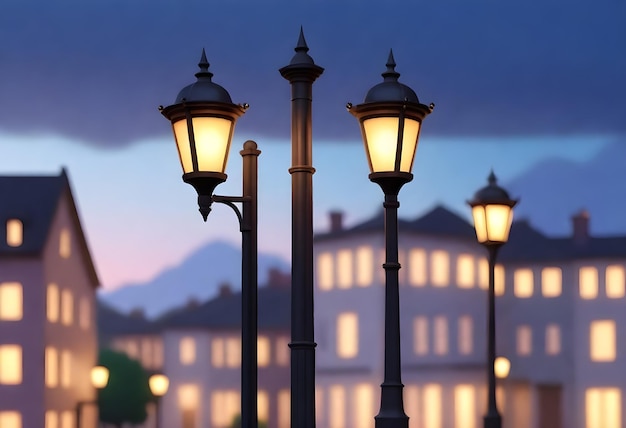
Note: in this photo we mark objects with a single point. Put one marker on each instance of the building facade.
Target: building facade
(48, 341)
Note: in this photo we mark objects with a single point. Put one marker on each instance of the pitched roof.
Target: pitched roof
(34, 201)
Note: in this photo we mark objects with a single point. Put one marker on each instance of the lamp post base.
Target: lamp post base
(391, 421)
(492, 421)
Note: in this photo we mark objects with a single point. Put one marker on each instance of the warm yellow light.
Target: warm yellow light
(382, 140)
(363, 403)
(417, 267)
(217, 352)
(159, 383)
(603, 408)
(498, 280)
(233, 352)
(284, 408)
(347, 335)
(615, 281)
(325, 272)
(553, 339)
(588, 282)
(212, 137)
(551, 282)
(263, 406)
(11, 301)
(344, 268)
(432, 407)
(524, 340)
(10, 419)
(464, 406)
(492, 222)
(420, 335)
(440, 268)
(502, 367)
(51, 367)
(66, 368)
(65, 243)
(67, 307)
(52, 302)
(188, 397)
(465, 335)
(440, 335)
(337, 406)
(602, 341)
(263, 351)
(187, 350)
(99, 377)
(15, 232)
(10, 364)
(364, 265)
(523, 283)
(465, 271)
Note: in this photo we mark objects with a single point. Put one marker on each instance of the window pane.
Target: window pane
(51, 419)
(217, 352)
(10, 419)
(233, 352)
(465, 271)
(464, 406)
(67, 307)
(523, 283)
(66, 369)
(337, 406)
(282, 351)
(364, 266)
(187, 351)
(84, 313)
(551, 282)
(615, 282)
(417, 267)
(10, 364)
(325, 271)
(440, 268)
(65, 244)
(420, 332)
(15, 232)
(603, 408)
(441, 335)
(432, 406)
(588, 282)
(347, 335)
(602, 341)
(344, 268)
(263, 406)
(52, 367)
(465, 335)
(11, 301)
(52, 302)
(67, 419)
(363, 413)
(553, 339)
(483, 273)
(263, 351)
(284, 408)
(524, 340)
(498, 280)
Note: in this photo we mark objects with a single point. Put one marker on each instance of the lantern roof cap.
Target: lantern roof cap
(390, 89)
(492, 194)
(204, 89)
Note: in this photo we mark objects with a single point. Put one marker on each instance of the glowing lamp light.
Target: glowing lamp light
(492, 210)
(390, 118)
(99, 377)
(203, 120)
(159, 384)
(502, 367)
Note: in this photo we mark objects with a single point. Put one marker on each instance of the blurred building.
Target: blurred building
(48, 339)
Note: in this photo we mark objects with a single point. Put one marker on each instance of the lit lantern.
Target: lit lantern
(99, 377)
(502, 367)
(390, 118)
(159, 384)
(492, 210)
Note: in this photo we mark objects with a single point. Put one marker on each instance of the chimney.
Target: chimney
(278, 279)
(336, 221)
(225, 290)
(580, 225)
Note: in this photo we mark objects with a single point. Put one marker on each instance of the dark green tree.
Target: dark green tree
(237, 423)
(125, 397)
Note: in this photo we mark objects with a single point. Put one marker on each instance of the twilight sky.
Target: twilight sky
(80, 82)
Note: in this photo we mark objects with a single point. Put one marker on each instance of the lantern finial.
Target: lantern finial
(301, 56)
(204, 72)
(391, 75)
(492, 178)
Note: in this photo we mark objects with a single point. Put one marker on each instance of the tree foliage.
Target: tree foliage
(125, 397)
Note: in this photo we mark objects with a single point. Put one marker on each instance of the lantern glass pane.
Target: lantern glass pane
(212, 135)
(182, 142)
(480, 223)
(381, 134)
(498, 219)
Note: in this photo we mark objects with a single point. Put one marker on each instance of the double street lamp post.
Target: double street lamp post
(492, 210)
(203, 120)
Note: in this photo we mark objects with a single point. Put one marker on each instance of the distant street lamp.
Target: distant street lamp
(502, 367)
(99, 378)
(203, 120)
(390, 118)
(492, 210)
(159, 384)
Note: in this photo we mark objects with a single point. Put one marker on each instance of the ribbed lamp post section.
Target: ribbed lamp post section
(301, 73)
(390, 118)
(492, 211)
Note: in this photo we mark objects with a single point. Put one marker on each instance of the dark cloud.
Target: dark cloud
(98, 70)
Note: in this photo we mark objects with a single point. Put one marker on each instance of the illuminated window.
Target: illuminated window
(483, 273)
(147, 353)
(440, 335)
(347, 335)
(498, 280)
(465, 335)
(188, 397)
(523, 283)
(603, 408)
(337, 406)
(10, 365)
(363, 402)
(10, 419)
(66, 369)
(417, 267)
(615, 282)
(325, 272)
(553, 339)
(432, 406)
(67, 307)
(439, 268)
(217, 352)
(132, 349)
(51, 419)
(52, 302)
(319, 403)
(465, 271)
(263, 351)
(11, 301)
(84, 313)
(420, 335)
(224, 407)
(263, 406)
(464, 406)
(233, 352)
(67, 419)
(284, 408)
(52, 367)
(411, 405)
(588, 282)
(602, 341)
(65, 249)
(282, 351)
(344, 268)
(551, 282)
(187, 351)
(364, 266)
(524, 340)
(15, 232)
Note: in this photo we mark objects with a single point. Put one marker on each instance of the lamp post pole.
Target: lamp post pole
(492, 419)
(301, 73)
